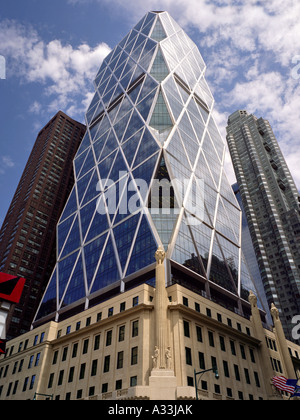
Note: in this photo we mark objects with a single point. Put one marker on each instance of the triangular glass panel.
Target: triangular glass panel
(146, 59)
(158, 33)
(177, 149)
(76, 288)
(163, 205)
(219, 270)
(71, 205)
(185, 252)
(119, 167)
(120, 127)
(92, 254)
(148, 147)
(110, 145)
(145, 173)
(106, 165)
(124, 235)
(88, 164)
(202, 236)
(78, 162)
(93, 189)
(131, 146)
(161, 121)
(145, 106)
(63, 230)
(175, 105)
(82, 184)
(159, 69)
(86, 215)
(65, 268)
(203, 172)
(49, 303)
(143, 253)
(99, 222)
(191, 148)
(135, 124)
(73, 241)
(223, 225)
(99, 144)
(108, 272)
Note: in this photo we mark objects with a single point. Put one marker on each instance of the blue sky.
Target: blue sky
(53, 50)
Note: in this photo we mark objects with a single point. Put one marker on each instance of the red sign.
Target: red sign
(2, 347)
(11, 288)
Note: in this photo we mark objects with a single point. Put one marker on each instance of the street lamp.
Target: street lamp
(214, 369)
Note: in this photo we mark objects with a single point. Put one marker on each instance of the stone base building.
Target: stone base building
(114, 351)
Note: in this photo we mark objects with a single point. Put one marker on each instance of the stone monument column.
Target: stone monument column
(162, 382)
(282, 344)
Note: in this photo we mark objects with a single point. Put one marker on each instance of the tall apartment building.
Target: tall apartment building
(27, 237)
(271, 202)
(150, 284)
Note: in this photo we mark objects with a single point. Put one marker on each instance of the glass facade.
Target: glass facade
(149, 121)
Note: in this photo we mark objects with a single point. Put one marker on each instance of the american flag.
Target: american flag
(288, 385)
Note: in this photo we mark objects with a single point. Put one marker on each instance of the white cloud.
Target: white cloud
(6, 162)
(66, 73)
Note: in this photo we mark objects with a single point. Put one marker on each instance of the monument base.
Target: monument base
(163, 385)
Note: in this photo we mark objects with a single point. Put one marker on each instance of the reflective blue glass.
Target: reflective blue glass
(145, 246)
(108, 272)
(76, 289)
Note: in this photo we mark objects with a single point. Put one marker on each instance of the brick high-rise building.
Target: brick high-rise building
(27, 237)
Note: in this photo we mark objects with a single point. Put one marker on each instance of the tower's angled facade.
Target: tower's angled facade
(150, 123)
(271, 202)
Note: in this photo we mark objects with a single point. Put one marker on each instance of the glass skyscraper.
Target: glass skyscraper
(150, 124)
(271, 202)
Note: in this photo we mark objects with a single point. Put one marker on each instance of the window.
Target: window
(199, 334)
(134, 356)
(121, 333)
(120, 360)
(135, 301)
(71, 374)
(51, 378)
(60, 377)
(232, 346)
(135, 328)
(108, 338)
(104, 388)
(243, 351)
(201, 361)
(211, 339)
(110, 312)
(257, 379)
(188, 356)
(118, 384)
(186, 327)
(94, 368)
(85, 346)
(185, 301)
(133, 381)
(122, 307)
(65, 354)
(247, 376)
(97, 342)
(226, 369)
(197, 307)
(222, 343)
(106, 364)
(82, 371)
(75, 349)
(237, 373)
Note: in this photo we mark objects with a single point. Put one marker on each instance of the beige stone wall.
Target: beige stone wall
(186, 350)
